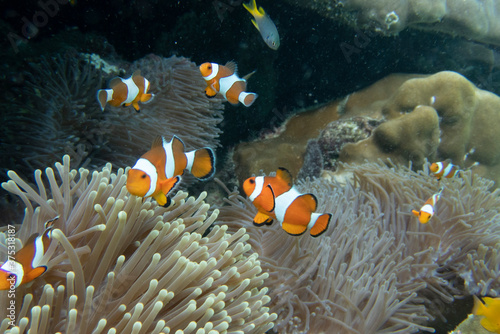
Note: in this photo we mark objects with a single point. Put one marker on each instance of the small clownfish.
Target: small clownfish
(27, 265)
(159, 170)
(275, 197)
(490, 313)
(264, 25)
(444, 169)
(126, 92)
(427, 210)
(224, 79)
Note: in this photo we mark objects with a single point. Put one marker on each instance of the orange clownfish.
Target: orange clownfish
(490, 313)
(126, 92)
(275, 197)
(444, 169)
(26, 265)
(224, 79)
(427, 210)
(159, 170)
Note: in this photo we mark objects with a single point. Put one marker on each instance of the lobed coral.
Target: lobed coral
(435, 117)
(442, 116)
(377, 269)
(118, 264)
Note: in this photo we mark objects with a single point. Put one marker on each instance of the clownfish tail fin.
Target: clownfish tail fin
(247, 99)
(321, 222)
(102, 98)
(201, 163)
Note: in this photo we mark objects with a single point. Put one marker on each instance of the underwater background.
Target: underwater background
(407, 82)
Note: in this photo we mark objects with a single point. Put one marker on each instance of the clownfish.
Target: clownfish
(444, 169)
(27, 264)
(490, 313)
(427, 210)
(264, 25)
(275, 197)
(159, 170)
(224, 80)
(126, 92)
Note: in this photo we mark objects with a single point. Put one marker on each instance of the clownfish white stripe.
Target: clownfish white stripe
(259, 184)
(440, 167)
(447, 170)
(215, 71)
(109, 94)
(39, 251)
(227, 82)
(132, 90)
(147, 167)
(190, 160)
(428, 208)
(243, 95)
(16, 268)
(169, 159)
(314, 217)
(282, 203)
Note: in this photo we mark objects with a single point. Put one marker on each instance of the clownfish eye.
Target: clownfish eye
(143, 176)
(209, 67)
(252, 181)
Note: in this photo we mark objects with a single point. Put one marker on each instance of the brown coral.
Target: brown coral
(436, 117)
(467, 118)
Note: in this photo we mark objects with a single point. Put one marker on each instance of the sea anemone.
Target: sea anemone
(377, 269)
(121, 264)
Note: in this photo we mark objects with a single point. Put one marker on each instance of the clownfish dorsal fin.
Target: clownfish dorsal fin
(246, 77)
(231, 65)
(177, 145)
(115, 81)
(284, 174)
(158, 141)
(50, 223)
(136, 73)
(30, 240)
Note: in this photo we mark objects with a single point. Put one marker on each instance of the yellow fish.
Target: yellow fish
(490, 313)
(264, 25)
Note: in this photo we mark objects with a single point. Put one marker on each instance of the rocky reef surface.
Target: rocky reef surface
(472, 19)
